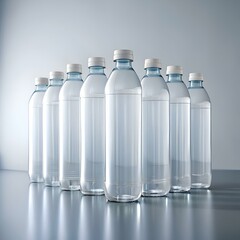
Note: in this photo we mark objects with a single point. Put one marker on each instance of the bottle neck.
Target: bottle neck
(153, 71)
(41, 88)
(96, 70)
(55, 82)
(74, 76)
(196, 84)
(174, 78)
(123, 64)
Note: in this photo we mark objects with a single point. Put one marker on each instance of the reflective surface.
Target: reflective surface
(32, 211)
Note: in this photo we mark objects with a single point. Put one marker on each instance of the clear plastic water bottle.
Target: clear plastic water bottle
(179, 130)
(35, 139)
(200, 132)
(69, 132)
(93, 128)
(155, 131)
(51, 130)
(123, 130)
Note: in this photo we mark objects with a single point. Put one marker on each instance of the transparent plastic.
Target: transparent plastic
(35, 131)
(123, 134)
(93, 132)
(69, 132)
(155, 134)
(200, 135)
(51, 133)
(179, 134)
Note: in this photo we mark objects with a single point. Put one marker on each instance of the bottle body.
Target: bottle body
(51, 135)
(93, 134)
(200, 137)
(35, 110)
(69, 133)
(155, 136)
(123, 134)
(179, 135)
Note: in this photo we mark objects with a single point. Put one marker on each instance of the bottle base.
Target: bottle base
(179, 189)
(154, 193)
(93, 192)
(201, 180)
(36, 179)
(156, 189)
(92, 188)
(53, 183)
(125, 193)
(123, 198)
(70, 185)
(200, 185)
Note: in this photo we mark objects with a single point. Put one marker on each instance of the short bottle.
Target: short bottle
(123, 132)
(35, 139)
(51, 130)
(93, 128)
(69, 129)
(200, 132)
(155, 131)
(179, 131)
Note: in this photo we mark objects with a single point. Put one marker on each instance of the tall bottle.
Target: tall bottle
(200, 132)
(155, 131)
(69, 134)
(179, 130)
(93, 128)
(35, 139)
(51, 130)
(123, 130)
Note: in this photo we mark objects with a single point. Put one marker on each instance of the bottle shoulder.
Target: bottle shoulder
(94, 86)
(36, 99)
(178, 92)
(123, 81)
(154, 88)
(70, 89)
(199, 97)
(52, 94)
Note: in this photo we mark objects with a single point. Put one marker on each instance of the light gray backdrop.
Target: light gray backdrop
(39, 36)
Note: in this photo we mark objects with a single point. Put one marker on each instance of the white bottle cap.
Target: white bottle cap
(96, 61)
(152, 62)
(41, 81)
(74, 67)
(174, 70)
(195, 76)
(56, 74)
(123, 54)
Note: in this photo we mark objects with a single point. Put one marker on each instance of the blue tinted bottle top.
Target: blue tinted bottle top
(195, 80)
(56, 78)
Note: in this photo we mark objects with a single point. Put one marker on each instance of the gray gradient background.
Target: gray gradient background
(39, 36)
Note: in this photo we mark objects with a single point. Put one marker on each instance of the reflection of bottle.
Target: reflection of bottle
(151, 208)
(92, 217)
(155, 131)
(35, 131)
(51, 130)
(200, 132)
(50, 212)
(179, 130)
(69, 121)
(122, 221)
(93, 128)
(69, 215)
(123, 131)
(35, 211)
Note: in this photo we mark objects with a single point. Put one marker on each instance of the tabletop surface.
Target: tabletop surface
(32, 211)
